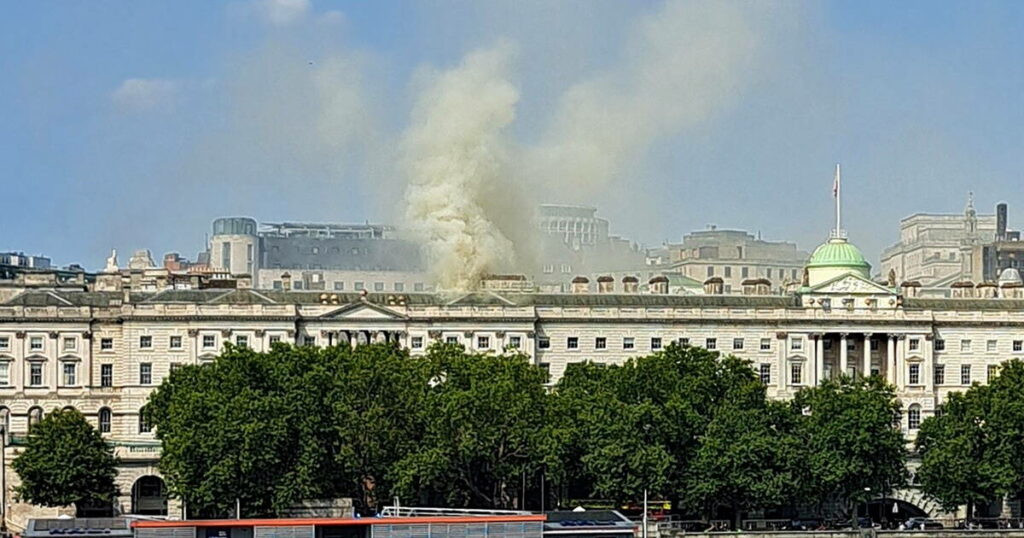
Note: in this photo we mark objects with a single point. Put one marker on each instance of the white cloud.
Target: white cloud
(283, 12)
(140, 94)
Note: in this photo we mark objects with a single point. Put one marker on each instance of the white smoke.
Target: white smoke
(456, 157)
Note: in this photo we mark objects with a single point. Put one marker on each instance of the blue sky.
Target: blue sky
(134, 124)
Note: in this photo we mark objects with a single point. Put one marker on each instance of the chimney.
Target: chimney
(659, 285)
(243, 282)
(605, 284)
(580, 284)
(714, 285)
(910, 288)
(286, 281)
(630, 284)
(1001, 221)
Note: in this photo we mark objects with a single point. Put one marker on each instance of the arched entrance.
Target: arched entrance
(149, 496)
(891, 512)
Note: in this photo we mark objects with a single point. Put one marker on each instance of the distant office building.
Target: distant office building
(20, 259)
(735, 256)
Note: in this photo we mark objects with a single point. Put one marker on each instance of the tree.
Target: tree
(66, 461)
(851, 447)
(485, 419)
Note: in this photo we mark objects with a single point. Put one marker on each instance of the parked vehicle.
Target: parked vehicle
(921, 524)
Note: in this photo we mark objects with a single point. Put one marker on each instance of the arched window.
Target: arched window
(104, 419)
(34, 416)
(144, 426)
(914, 417)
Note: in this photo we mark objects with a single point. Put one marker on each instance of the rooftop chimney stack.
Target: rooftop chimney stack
(630, 284)
(1001, 221)
(580, 284)
(659, 285)
(714, 285)
(605, 284)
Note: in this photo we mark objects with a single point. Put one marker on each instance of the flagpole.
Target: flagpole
(838, 194)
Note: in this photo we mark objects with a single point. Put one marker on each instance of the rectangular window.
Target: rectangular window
(70, 344)
(573, 342)
(728, 271)
(143, 425)
(35, 343)
(766, 344)
(711, 343)
(297, 285)
(745, 272)
(796, 344)
(874, 345)
(35, 374)
(711, 271)
(940, 345)
(378, 286)
(991, 372)
(990, 346)
(600, 342)
(515, 342)
(175, 366)
(915, 344)
(308, 340)
(274, 339)
(209, 341)
(360, 286)
(826, 344)
(940, 374)
(628, 342)
(768, 273)
(106, 375)
(70, 378)
(965, 374)
(5, 343)
(339, 286)
(175, 342)
(5, 373)
(278, 285)
(483, 342)
(737, 343)
(543, 342)
(451, 340)
(106, 344)
(965, 346)
(419, 286)
(146, 342)
(766, 374)
(145, 373)
(655, 343)
(416, 342)
(1018, 346)
(242, 340)
(914, 375)
(795, 373)
(399, 286)
(684, 341)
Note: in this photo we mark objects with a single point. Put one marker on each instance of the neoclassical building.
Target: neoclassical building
(102, 348)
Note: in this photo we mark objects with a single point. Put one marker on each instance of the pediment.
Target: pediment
(364, 310)
(851, 284)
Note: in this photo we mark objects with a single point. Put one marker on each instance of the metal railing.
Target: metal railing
(428, 511)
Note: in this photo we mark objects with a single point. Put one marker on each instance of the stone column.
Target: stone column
(867, 355)
(901, 361)
(890, 359)
(819, 358)
(844, 358)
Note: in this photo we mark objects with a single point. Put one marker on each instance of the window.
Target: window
(106, 375)
(399, 286)
(655, 343)
(70, 344)
(308, 340)
(766, 374)
(483, 342)
(965, 374)
(146, 342)
(297, 285)
(600, 342)
(914, 375)
(106, 344)
(728, 271)
(378, 286)
(573, 342)
(5, 373)
(940, 374)
(339, 286)
(278, 285)
(35, 343)
(874, 345)
(242, 340)
(1018, 345)
(737, 343)
(745, 272)
(629, 343)
(515, 342)
(797, 343)
(914, 417)
(768, 273)
(826, 344)
(965, 346)
(104, 420)
(991, 372)
(711, 271)
(34, 416)
(795, 373)
(145, 373)
(35, 374)
(5, 343)
(990, 346)
(274, 339)
(766, 344)
(914, 344)
(144, 426)
(850, 344)
(360, 286)
(209, 340)
(70, 374)
(416, 342)
(940, 345)
(684, 341)
(452, 340)
(711, 343)
(419, 286)
(543, 342)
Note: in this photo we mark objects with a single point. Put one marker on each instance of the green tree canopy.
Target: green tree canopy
(65, 462)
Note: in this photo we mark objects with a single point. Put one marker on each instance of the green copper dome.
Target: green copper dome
(839, 253)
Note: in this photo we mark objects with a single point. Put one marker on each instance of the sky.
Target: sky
(133, 125)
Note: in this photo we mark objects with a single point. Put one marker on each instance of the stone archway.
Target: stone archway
(149, 496)
(911, 503)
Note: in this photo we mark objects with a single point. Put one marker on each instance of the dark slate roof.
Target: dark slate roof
(963, 304)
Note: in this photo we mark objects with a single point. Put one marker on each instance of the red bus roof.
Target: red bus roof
(327, 521)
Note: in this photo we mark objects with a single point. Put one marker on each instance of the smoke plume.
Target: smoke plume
(456, 155)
